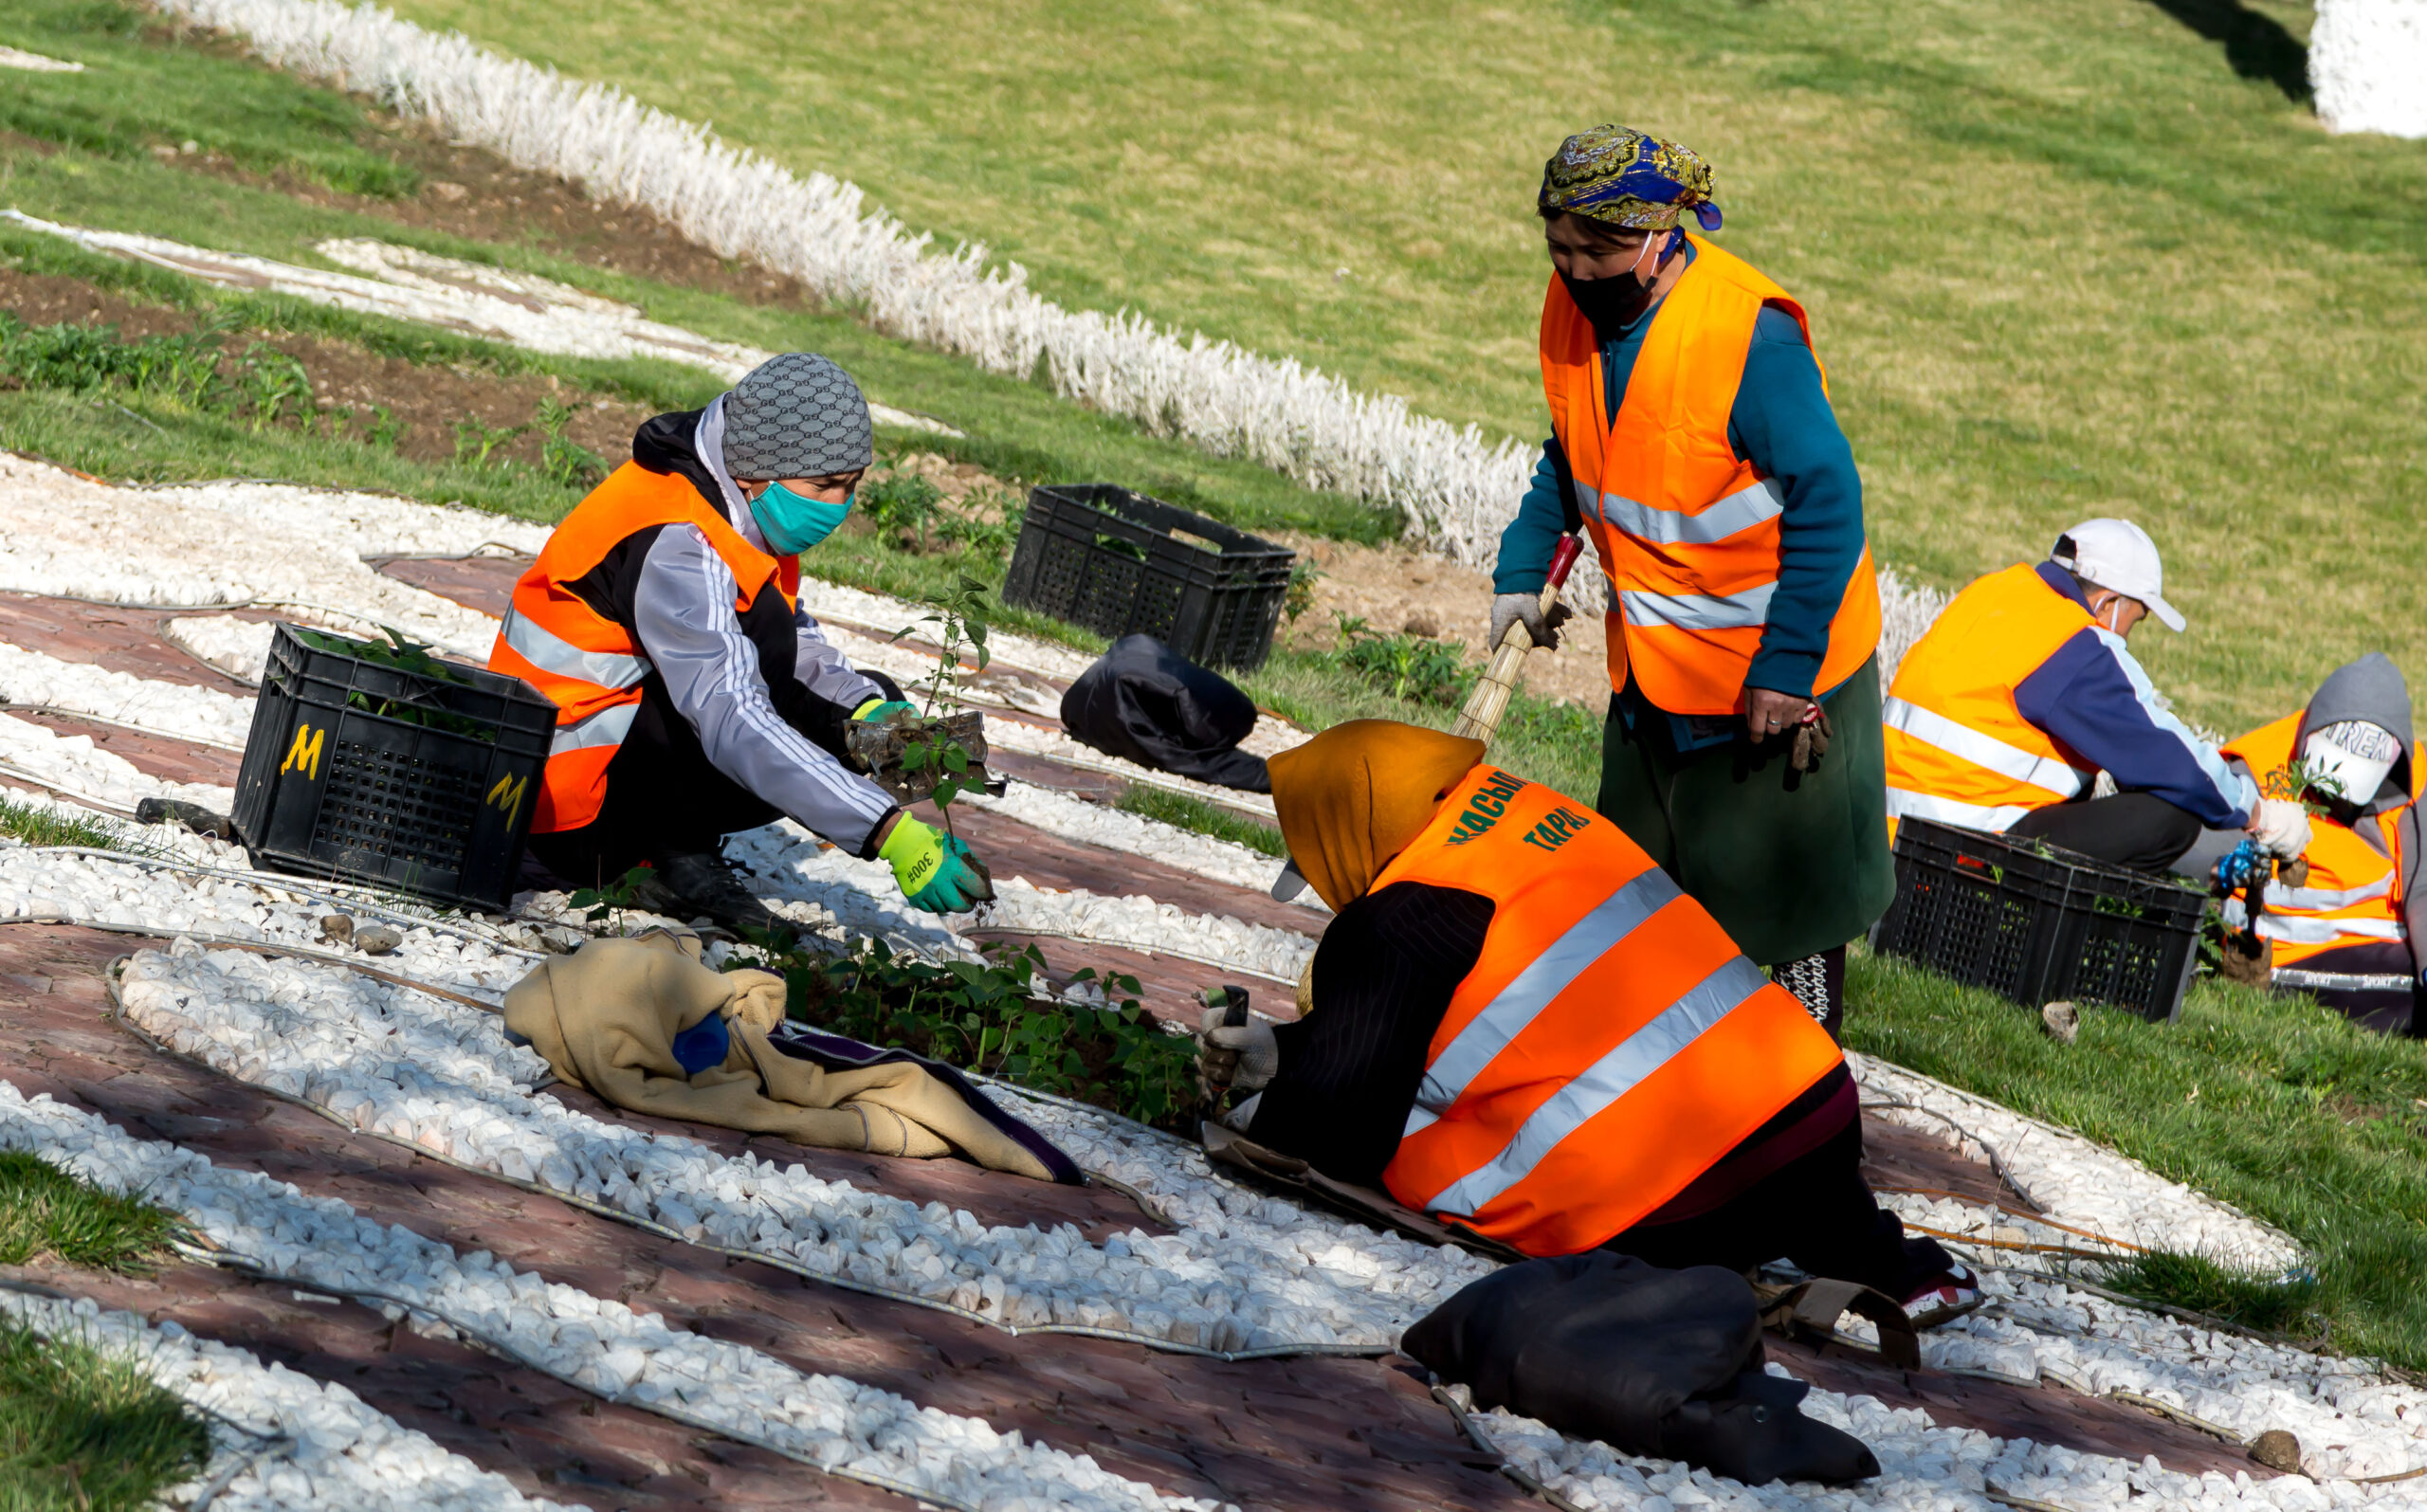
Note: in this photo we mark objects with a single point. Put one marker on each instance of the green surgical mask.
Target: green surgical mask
(792, 523)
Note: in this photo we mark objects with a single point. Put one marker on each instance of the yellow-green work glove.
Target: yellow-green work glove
(876, 711)
(932, 867)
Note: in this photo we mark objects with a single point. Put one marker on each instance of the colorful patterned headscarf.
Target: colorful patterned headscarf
(1622, 178)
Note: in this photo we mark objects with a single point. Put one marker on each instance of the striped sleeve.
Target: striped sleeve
(682, 611)
(2092, 699)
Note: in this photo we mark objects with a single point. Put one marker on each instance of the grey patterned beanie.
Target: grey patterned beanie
(797, 415)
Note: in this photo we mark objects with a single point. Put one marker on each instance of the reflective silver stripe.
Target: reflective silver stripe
(607, 727)
(1749, 609)
(2297, 930)
(2299, 981)
(1754, 504)
(550, 652)
(1904, 803)
(1544, 977)
(2047, 774)
(1611, 1078)
(2321, 899)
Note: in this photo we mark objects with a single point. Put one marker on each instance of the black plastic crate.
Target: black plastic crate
(1102, 557)
(2038, 924)
(382, 774)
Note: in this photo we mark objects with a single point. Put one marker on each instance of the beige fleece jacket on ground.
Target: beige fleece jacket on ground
(606, 1017)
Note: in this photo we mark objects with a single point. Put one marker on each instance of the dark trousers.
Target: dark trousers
(1816, 1211)
(2136, 829)
(664, 797)
(2384, 1007)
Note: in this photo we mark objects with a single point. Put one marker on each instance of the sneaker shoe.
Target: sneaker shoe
(705, 884)
(1944, 1297)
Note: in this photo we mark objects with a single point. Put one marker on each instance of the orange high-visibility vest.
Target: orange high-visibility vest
(1688, 533)
(1611, 1043)
(2353, 893)
(588, 664)
(1958, 750)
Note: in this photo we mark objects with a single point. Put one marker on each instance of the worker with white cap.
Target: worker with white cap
(2005, 713)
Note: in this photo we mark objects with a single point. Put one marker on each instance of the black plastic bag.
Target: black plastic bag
(1143, 701)
(1649, 1361)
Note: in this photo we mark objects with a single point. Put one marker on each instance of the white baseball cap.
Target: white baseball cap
(2118, 554)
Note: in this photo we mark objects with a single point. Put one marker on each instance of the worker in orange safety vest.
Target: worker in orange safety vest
(2003, 716)
(2351, 931)
(1517, 1023)
(695, 696)
(1693, 440)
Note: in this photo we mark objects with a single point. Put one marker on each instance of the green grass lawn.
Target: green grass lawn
(79, 1428)
(84, 157)
(2273, 1104)
(2066, 257)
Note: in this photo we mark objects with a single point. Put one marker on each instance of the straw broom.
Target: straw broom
(1480, 718)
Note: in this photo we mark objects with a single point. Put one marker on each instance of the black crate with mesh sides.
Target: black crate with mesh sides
(422, 779)
(2038, 924)
(1121, 563)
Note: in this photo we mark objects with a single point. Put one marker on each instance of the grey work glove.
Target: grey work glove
(1524, 608)
(1243, 1057)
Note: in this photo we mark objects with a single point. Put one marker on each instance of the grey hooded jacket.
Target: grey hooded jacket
(2372, 689)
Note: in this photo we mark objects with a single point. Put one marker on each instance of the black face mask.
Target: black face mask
(1609, 303)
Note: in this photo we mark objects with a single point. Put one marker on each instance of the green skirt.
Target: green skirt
(1790, 863)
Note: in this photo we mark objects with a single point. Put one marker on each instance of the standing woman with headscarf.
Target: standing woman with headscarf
(1693, 440)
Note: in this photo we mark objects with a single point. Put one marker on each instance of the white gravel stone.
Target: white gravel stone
(2078, 1182)
(1245, 1272)
(304, 1446)
(73, 765)
(1059, 814)
(604, 1345)
(239, 647)
(176, 709)
(225, 544)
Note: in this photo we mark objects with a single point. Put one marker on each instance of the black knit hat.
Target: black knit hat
(797, 415)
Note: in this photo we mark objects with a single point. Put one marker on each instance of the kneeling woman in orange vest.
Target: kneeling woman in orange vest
(1518, 1023)
(695, 697)
(2354, 931)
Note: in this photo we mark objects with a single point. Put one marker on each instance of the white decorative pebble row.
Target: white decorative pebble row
(2080, 1183)
(601, 1344)
(1245, 1272)
(179, 709)
(305, 1445)
(1059, 814)
(1140, 923)
(217, 544)
(38, 882)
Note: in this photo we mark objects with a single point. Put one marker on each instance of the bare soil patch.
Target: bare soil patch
(472, 193)
(424, 401)
(1397, 591)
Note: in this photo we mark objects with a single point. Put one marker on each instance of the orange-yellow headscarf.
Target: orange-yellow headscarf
(1352, 798)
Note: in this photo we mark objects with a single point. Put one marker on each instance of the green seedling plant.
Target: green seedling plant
(986, 1016)
(275, 385)
(1300, 595)
(566, 463)
(610, 901)
(475, 442)
(402, 654)
(961, 615)
(1409, 668)
(903, 507)
(2304, 782)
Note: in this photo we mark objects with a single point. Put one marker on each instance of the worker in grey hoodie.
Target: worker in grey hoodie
(2354, 930)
